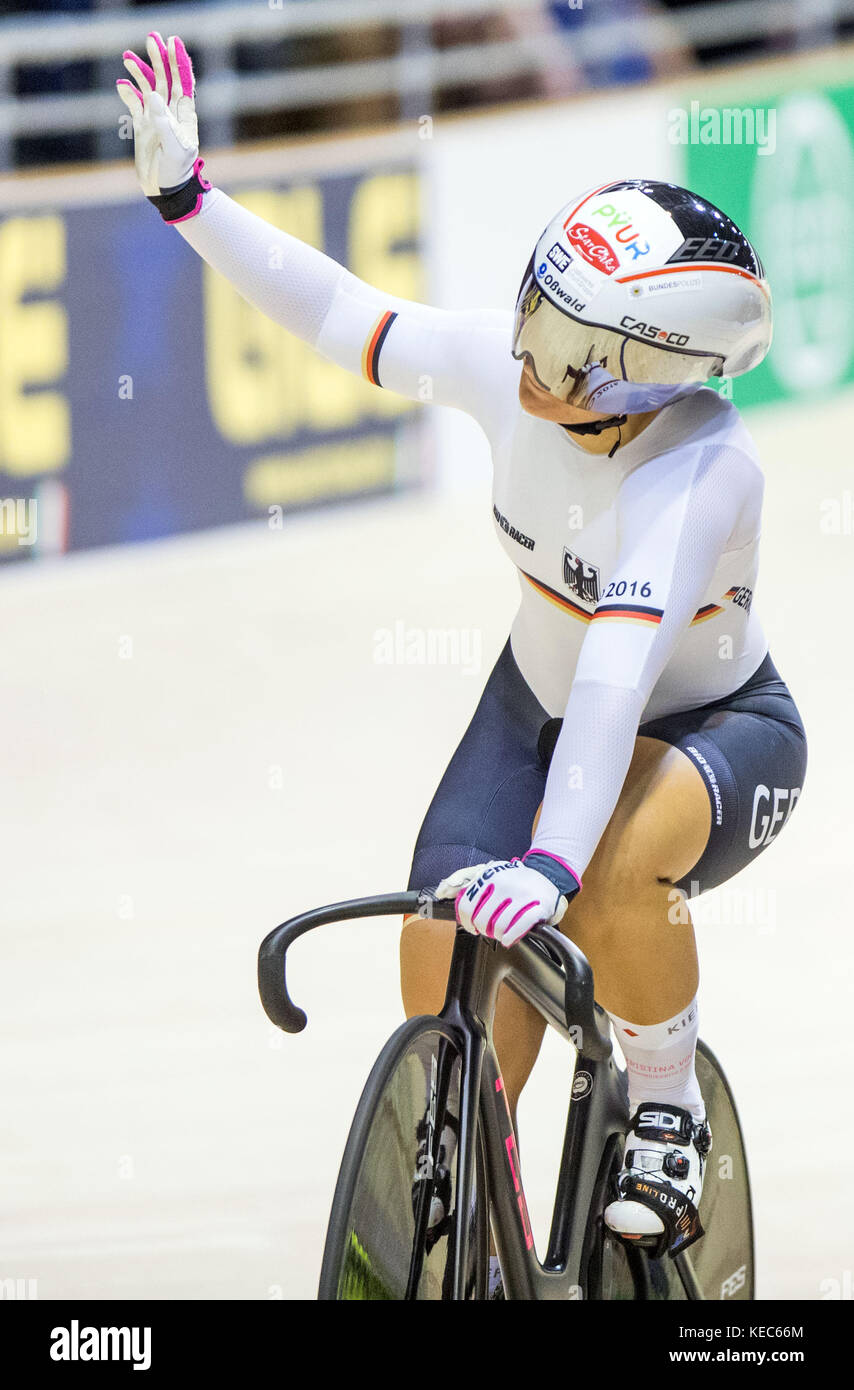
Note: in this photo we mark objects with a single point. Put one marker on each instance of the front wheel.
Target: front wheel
(383, 1240)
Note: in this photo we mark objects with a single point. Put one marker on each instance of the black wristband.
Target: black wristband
(185, 201)
(552, 869)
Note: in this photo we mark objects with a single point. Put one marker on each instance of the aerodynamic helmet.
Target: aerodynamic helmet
(636, 294)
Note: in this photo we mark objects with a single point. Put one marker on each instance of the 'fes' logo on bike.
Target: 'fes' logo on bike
(736, 1281)
(582, 578)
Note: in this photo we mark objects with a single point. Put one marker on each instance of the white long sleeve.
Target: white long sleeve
(436, 355)
(675, 517)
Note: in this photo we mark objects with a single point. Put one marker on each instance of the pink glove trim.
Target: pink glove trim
(521, 913)
(457, 904)
(536, 850)
(490, 926)
(147, 72)
(185, 69)
(123, 82)
(482, 901)
(197, 170)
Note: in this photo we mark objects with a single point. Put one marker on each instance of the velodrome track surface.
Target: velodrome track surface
(248, 759)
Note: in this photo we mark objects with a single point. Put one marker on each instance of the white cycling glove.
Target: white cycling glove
(504, 899)
(162, 103)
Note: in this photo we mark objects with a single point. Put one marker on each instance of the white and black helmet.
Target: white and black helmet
(637, 293)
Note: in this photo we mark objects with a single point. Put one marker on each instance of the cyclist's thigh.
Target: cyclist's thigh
(658, 830)
(752, 763)
(661, 823)
(706, 791)
(487, 798)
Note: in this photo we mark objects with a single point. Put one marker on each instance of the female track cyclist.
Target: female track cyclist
(634, 732)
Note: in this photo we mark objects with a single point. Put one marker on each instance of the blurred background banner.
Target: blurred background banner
(776, 152)
(140, 396)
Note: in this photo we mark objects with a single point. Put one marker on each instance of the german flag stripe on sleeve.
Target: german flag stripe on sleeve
(629, 613)
(373, 346)
(711, 610)
(702, 615)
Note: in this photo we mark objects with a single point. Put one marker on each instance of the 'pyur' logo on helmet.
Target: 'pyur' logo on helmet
(625, 234)
(651, 330)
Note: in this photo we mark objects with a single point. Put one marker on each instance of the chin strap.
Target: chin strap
(597, 426)
(613, 422)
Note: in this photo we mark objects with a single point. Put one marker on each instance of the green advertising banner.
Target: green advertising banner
(776, 153)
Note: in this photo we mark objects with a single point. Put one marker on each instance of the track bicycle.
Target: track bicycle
(436, 1070)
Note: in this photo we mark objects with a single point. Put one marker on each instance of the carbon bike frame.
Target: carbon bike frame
(555, 978)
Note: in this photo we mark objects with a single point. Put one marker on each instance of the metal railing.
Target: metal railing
(414, 75)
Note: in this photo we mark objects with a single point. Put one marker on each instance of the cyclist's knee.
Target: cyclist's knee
(628, 866)
(627, 886)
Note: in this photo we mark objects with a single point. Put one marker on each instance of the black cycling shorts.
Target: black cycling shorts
(749, 746)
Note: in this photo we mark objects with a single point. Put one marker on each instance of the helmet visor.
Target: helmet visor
(595, 368)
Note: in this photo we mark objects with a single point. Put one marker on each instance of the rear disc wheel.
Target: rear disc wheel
(717, 1267)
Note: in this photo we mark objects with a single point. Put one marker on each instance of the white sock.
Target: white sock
(660, 1060)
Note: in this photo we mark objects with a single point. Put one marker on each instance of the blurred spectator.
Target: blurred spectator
(550, 49)
(319, 50)
(57, 78)
(629, 54)
(473, 31)
(559, 63)
(811, 23)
